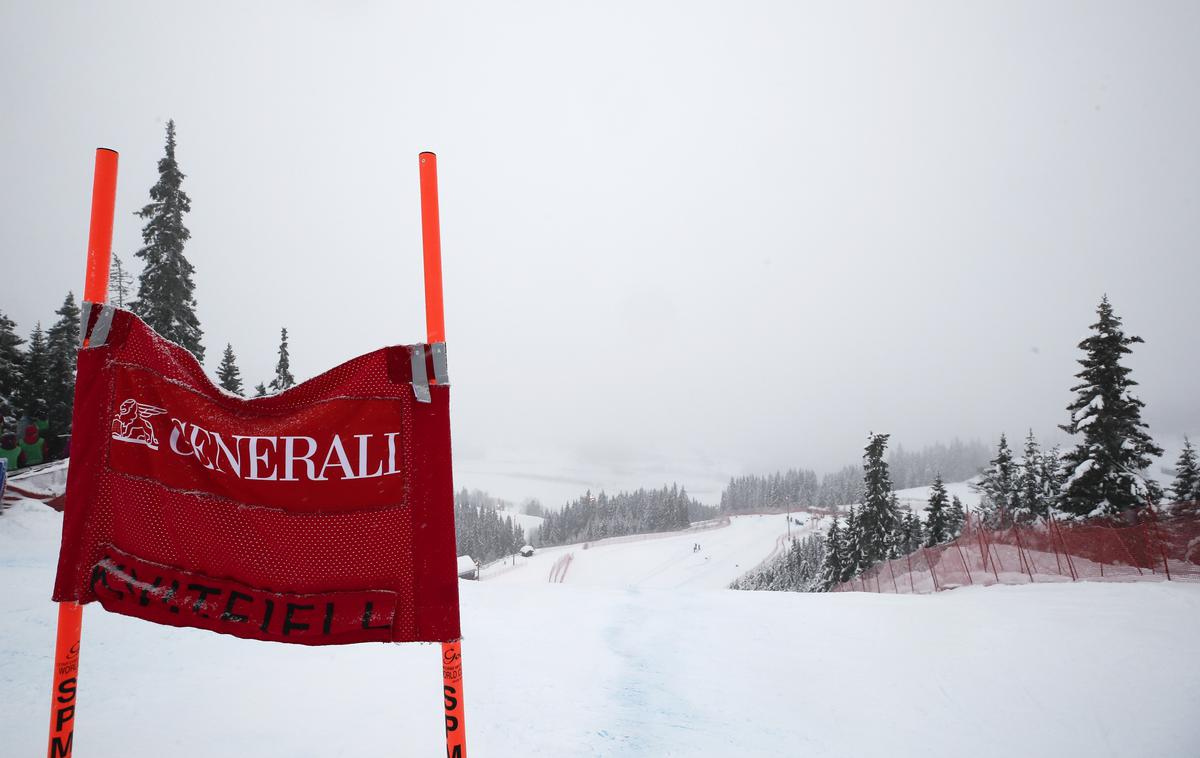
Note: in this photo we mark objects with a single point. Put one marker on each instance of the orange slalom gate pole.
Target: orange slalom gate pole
(61, 740)
(66, 681)
(104, 200)
(431, 239)
(435, 327)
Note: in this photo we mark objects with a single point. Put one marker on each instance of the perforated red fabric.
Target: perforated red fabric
(1144, 545)
(321, 515)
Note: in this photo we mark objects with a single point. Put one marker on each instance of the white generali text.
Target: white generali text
(289, 458)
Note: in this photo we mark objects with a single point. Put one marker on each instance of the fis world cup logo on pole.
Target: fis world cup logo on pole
(132, 423)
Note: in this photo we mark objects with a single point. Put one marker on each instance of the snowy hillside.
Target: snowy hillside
(529, 523)
(917, 498)
(572, 669)
(658, 560)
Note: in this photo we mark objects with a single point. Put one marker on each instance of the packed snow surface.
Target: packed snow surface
(652, 665)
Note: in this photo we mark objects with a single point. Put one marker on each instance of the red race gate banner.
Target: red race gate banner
(321, 515)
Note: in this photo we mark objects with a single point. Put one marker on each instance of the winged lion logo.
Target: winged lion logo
(132, 423)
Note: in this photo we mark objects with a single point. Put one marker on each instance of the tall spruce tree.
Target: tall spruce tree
(62, 344)
(878, 514)
(833, 566)
(1029, 501)
(283, 375)
(1107, 465)
(854, 560)
(165, 298)
(911, 534)
(228, 374)
(904, 534)
(1186, 486)
(895, 539)
(35, 380)
(1052, 476)
(998, 486)
(956, 518)
(12, 369)
(937, 516)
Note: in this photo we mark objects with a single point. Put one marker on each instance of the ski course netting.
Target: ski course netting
(1143, 545)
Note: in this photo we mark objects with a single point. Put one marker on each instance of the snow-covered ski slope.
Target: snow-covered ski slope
(528, 523)
(917, 498)
(574, 670)
(669, 561)
(657, 560)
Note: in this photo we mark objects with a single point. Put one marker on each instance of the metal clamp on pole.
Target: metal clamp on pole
(441, 369)
(97, 335)
(420, 375)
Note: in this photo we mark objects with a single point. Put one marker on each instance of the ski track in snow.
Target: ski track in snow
(649, 712)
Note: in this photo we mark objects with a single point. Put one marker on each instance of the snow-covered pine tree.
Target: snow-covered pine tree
(832, 567)
(799, 569)
(260, 390)
(904, 534)
(62, 344)
(283, 375)
(1107, 465)
(120, 282)
(1051, 477)
(998, 485)
(12, 368)
(877, 515)
(1029, 502)
(228, 374)
(1186, 486)
(895, 538)
(915, 531)
(681, 509)
(909, 534)
(165, 297)
(937, 516)
(32, 393)
(853, 559)
(956, 517)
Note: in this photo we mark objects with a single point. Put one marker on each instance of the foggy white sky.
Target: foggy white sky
(682, 241)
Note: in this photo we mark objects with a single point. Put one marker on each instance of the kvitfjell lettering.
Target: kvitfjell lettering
(321, 515)
(127, 585)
